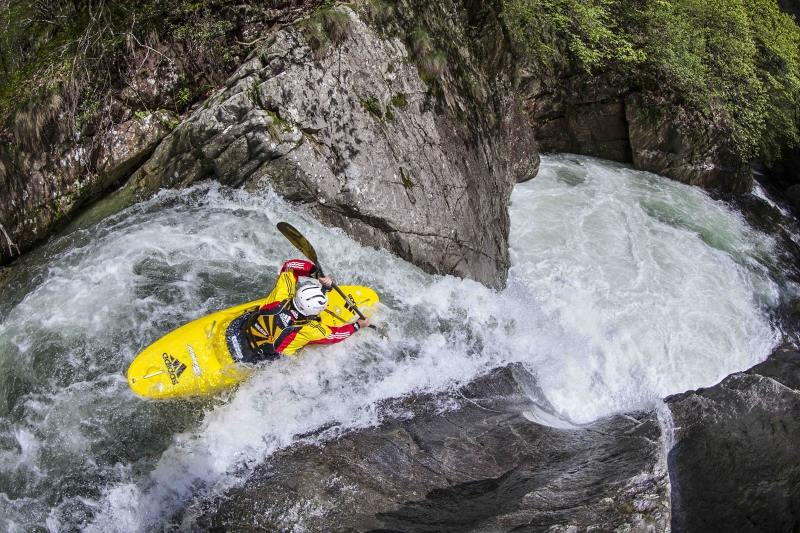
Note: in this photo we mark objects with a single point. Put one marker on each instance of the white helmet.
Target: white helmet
(310, 300)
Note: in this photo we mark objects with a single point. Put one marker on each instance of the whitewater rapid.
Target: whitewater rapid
(625, 287)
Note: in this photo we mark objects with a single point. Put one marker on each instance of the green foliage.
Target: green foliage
(277, 126)
(252, 94)
(378, 12)
(475, 89)
(203, 35)
(183, 96)
(420, 42)
(587, 27)
(731, 63)
(432, 62)
(432, 66)
(405, 179)
(372, 106)
(399, 100)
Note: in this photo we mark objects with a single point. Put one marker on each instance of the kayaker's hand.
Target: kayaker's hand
(326, 281)
(363, 323)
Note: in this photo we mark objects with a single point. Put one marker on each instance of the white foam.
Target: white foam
(662, 282)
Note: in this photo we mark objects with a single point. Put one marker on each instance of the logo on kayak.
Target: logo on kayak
(348, 306)
(174, 367)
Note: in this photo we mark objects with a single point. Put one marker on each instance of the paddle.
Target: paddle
(302, 244)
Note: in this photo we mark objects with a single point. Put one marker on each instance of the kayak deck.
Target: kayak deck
(195, 360)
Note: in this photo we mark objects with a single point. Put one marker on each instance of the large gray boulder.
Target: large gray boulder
(482, 464)
(735, 464)
(362, 143)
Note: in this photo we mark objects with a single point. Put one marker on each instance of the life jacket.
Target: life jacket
(266, 329)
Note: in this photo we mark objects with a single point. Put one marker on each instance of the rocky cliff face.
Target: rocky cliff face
(349, 130)
(358, 138)
(579, 114)
(56, 158)
(601, 116)
(482, 465)
(41, 190)
(665, 147)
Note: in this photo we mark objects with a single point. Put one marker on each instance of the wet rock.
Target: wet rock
(126, 145)
(63, 178)
(663, 147)
(793, 195)
(735, 464)
(480, 464)
(360, 140)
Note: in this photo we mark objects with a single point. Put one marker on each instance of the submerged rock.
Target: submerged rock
(471, 460)
(735, 464)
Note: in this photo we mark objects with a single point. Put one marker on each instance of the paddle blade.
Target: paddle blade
(300, 242)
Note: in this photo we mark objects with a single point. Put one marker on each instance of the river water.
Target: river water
(625, 287)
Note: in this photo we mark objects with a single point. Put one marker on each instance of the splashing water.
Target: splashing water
(625, 287)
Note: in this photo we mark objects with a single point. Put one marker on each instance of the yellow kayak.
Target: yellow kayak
(195, 359)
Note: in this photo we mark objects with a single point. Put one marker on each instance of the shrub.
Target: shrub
(372, 106)
(316, 37)
(420, 42)
(81, 50)
(325, 26)
(336, 24)
(432, 65)
(380, 13)
(587, 27)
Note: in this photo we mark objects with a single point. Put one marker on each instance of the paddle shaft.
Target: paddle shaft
(347, 300)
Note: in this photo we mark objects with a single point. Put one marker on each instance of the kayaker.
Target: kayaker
(288, 319)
